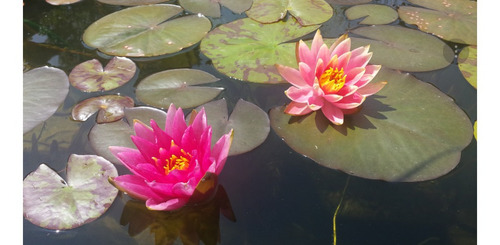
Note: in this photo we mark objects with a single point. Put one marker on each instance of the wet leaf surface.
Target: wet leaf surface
(374, 14)
(307, 12)
(467, 63)
(212, 8)
(109, 107)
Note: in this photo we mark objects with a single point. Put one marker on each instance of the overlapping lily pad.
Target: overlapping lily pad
(409, 131)
(177, 86)
(52, 203)
(453, 20)
(148, 30)
(61, 2)
(250, 124)
(375, 14)
(347, 2)
(131, 2)
(44, 89)
(109, 107)
(248, 50)
(89, 76)
(212, 8)
(467, 63)
(307, 12)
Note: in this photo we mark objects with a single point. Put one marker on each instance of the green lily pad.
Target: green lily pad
(453, 20)
(177, 86)
(467, 63)
(131, 2)
(307, 12)
(403, 48)
(347, 2)
(248, 50)
(118, 133)
(61, 2)
(475, 130)
(409, 131)
(44, 90)
(144, 31)
(375, 14)
(250, 124)
(52, 203)
(89, 76)
(110, 108)
(212, 8)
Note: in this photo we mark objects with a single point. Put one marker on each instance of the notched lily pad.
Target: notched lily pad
(145, 31)
(375, 14)
(131, 2)
(467, 63)
(307, 12)
(177, 86)
(53, 203)
(89, 76)
(109, 107)
(212, 8)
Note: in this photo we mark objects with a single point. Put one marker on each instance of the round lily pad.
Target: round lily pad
(44, 90)
(144, 31)
(467, 63)
(212, 8)
(248, 50)
(250, 124)
(307, 12)
(375, 14)
(453, 20)
(89, 76)
(177, 86)
(409, 131)
(131, 2)
(61, 2)
(52, 203)
(110, 108)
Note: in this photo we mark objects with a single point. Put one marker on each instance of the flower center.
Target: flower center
(179, 159)
(331, 81)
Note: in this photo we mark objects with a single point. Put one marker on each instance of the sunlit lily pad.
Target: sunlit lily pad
(467, 63)
(307, 12)
(409, 131)
(131, 2)
(52, 203)
(110, 108)
(347, 2)
(375, 14)
(475, 130)
(248, 50)
(212, 8)
(453, 20)
(61, 2)
(44, 90)
(89, 76)
(250, 124)
(148, 30)
(177, 86)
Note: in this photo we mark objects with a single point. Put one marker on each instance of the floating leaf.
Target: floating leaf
(347, 2)
(409, 131)
(475, 129)
(249, 122)
(453, 20)
(248, 50)
(307, 12)
(44, 89)
(110, 108)
(212, 8)
(177, 86)
(467, 63)
(52, 203)
(89, 76)
(131, 2)
(147, 30)
(61, 2)
(375, 14)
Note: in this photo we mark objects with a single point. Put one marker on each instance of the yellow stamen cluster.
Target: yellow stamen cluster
(176, 161)
(331, 81)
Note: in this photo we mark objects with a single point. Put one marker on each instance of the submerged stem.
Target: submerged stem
(337, 210)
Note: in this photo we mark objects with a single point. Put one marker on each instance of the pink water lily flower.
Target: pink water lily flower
(335, 80)
(168, 165)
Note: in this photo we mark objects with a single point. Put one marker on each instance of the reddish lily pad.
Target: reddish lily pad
(177, 86)
(145, 31)
(409, 131)
(307, 12)
(52, 203)
(375, 14)
(467, 63)
(453, 20)
(44, 90)
(248, 50)
(89, 76)
(110, 108)
(61, 2)
(131, 2)
(212, 8)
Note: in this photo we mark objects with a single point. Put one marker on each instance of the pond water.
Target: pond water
(277, 195)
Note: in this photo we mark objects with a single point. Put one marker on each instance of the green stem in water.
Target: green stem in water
(337, 211)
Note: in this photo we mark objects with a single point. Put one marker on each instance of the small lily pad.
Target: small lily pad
(144, 31)
(250, 124)
(44, 90)
(61, 2)
(375, 14)
(89, 76)
(409, 131)
(177, 86)
(212, 8)
(248, 50)
(52, 203)
(110, 108)
(307, 12)
(467, 63)
(131, 2)
(453, 20)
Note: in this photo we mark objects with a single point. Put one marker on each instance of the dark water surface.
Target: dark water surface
(277, 195)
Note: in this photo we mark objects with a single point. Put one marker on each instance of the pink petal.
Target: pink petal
(134, 186)
(341, 48)
(323, 53)
(221, 150)
(166, 205)
(144, 131)
(147, 149)
(370, 72)
(334, 114)
(307, 73)
(170, 119)
(199, 124)
(305, 55)
(353, 75)
(347, 90)
(359, 60)
(343, 60)
(291, 75)
(350, 102)
(300, 95)
(178, 125)
(316, 43)
(297, 109)
(332, 98)
(315, 102)
(129, 157)
(337, 42)
(162, 138)
(371, 88)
